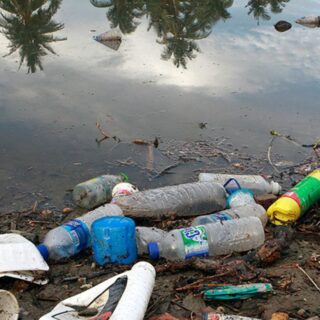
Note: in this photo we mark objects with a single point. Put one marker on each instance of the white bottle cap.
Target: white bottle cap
(275, 188)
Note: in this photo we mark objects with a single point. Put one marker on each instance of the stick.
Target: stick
(269, 155)
(105, 136)
(300, 268)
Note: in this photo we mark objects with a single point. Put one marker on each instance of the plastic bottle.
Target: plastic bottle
(249, 210)
(217, 316)
(237, 196)
(257, 184)
(124, 296)
(180, 200)
(96, 191)
(212, 239)
(296, 202)
(114, 240)
(145, 235)
(74, 236)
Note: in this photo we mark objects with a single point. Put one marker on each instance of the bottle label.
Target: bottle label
(222, 216)
(79, 234)
(195, 241)
(306, 192)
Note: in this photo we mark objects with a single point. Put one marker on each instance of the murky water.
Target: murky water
(180, 63)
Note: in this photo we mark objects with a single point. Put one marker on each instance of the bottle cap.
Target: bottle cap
(44, 251)
(275, 187)
(153, 249)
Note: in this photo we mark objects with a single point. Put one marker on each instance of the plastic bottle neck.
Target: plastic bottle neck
(43, 251)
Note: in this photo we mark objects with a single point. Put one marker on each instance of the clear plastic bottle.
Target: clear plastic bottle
(249, 210)
(217, 316)
(74, 236)
(213, 239)
(145, 235)
(96, 191)
(257, 184)
(181, 200)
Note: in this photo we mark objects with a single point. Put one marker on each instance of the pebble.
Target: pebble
(301, 312)
(67, 210)
(86, 286)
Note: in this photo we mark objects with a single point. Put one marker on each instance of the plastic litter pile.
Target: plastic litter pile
(224, 218)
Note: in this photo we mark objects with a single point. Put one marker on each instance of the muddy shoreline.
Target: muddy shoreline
(293, 292)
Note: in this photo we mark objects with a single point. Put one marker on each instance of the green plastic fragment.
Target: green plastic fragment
(237, 292)
(124, 177)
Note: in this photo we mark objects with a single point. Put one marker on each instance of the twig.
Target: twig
(181, 306)
(269, 155)
(105, 135)
(165, 170)
(300, 268)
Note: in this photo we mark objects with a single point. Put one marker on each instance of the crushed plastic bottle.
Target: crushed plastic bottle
(124, 296)
(96, 191)
(239, 212)
(174, 201)
(310, 22)
(296, 202)
(212, 239)
(257, 184)
(74, 236)
(145, 235)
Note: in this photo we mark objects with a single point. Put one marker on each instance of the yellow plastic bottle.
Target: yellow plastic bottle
(296, 202)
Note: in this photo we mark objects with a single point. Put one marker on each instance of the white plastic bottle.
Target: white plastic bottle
(111, 299)
(249, 210)
(257, 184)
(145, 235)
(74, 236)
(96, 191)
(174, 201)
(213, 239)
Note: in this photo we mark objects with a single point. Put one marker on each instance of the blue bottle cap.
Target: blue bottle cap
(44, 251)
(153, 249)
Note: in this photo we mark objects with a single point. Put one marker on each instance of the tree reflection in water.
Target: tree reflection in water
(179, 24)
(29, 27)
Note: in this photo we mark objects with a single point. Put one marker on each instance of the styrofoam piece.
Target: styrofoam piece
(131, 305)
(9, 307)
(19, 254)
(25, 276)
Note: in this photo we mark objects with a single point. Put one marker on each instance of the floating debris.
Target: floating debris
(111, 39)
(283, 26)
(100, 3)
(310, 22)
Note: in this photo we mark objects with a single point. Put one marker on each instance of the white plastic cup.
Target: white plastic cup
(9, 307)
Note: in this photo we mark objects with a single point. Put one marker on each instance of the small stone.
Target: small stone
(221, 310)
(82, 280)
(301, 312)
(86, 286)
(266, 200)
(280, 316)
(67, 210)
(46, 212)
(93, 265)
